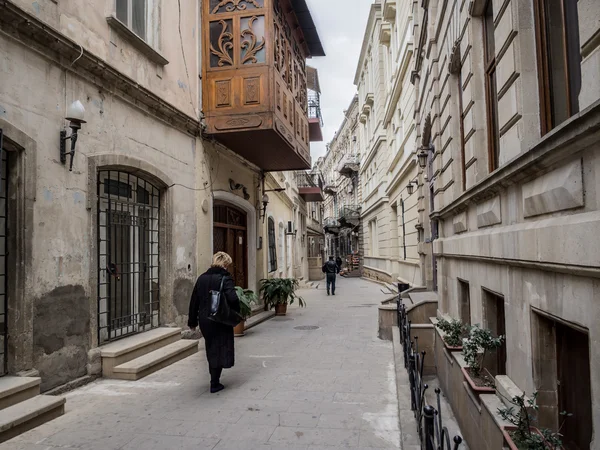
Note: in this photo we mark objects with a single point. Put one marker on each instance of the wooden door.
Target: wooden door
(230, 236)
(574, 388)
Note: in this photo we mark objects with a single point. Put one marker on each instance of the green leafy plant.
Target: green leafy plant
(454, 331)
(247, 299)
(525, 436)
(280, 291)
(476, 345)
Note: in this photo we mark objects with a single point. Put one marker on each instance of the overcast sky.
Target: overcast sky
(341, 25)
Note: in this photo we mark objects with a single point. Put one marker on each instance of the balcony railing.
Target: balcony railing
(349, 216)
(349, 165)
(331, 225)
(310, 186)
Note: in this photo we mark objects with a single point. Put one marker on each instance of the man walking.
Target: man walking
(331, 269)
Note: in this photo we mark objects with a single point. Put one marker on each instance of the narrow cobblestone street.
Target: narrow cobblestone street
(316, 389)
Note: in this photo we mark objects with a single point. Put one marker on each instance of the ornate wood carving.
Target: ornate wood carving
(252, 91)
(223, 93)
(224, 44)
(232, 5)
(238, 122)
(250, 44)
(284, 132)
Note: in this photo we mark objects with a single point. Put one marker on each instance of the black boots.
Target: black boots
(215, 376)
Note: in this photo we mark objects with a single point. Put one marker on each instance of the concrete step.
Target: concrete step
(259, 318)
(130, 348)
(31, 413)
(14, 390)
(154, 361)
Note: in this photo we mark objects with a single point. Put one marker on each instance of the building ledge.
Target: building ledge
(141, 45)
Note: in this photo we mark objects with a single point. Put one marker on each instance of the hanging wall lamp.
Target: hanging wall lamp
(75, 115)
(410, 188)
(422, 158)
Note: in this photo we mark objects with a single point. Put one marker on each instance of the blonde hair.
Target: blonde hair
(221, 259)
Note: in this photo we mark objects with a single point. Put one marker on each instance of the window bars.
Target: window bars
(128, 255)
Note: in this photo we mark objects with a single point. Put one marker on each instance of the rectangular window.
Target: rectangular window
(491, 88)
(134, 14)
(495, 321)
(272, 247)
(559, 60)
(464, 298)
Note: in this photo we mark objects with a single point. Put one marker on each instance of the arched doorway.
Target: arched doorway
(128, 257)
(230, 235)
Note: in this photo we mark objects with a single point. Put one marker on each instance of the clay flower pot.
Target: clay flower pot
(281, 309)
(477, 389)
(450, 348)
(239, 329)
(507, 429)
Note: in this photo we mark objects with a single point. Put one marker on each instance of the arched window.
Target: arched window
(272, 247)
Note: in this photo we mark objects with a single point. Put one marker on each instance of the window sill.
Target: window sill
(136, 41)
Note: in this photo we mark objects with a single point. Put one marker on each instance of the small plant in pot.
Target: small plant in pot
(522, 435)
(454, 332)
(247, 299)
(278, 293)
(479, 342)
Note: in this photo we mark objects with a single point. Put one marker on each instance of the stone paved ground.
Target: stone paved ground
(325, 389)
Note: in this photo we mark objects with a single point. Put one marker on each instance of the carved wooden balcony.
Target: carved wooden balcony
(255, 98)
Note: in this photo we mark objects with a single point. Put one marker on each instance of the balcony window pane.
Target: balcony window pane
(253, 40)
(221, 43)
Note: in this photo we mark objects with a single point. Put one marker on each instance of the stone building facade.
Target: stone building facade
(340, 170)
(114, 247)
(507, 111)
(387, 129)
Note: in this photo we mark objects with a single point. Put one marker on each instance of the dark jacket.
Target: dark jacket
(339, 262)
(331, 267)
(218, 337)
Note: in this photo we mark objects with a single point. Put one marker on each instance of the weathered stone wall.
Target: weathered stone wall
(59, 295)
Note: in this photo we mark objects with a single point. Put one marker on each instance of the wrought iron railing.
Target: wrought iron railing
(309, 179)
(432, 432)
(351, 212)
(331, 222)
(314, 106)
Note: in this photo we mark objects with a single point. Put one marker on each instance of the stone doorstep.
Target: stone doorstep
(29, 414)
(156, 360)
(258, 319)
(130, 348)
(17, 389)
(138, 341)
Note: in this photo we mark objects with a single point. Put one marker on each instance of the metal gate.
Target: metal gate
(128, 255)
(3, 263)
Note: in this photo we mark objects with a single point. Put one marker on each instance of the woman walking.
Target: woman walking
(218, 337)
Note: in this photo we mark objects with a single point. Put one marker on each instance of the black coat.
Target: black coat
(218, 337)
(330, 267)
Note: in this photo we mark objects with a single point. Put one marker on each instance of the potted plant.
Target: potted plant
(278, 293)
(247, 299)
(454, 331)
(522, 435)
(479, 342)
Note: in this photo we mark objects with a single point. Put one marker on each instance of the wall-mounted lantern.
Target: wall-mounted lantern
(410, 188)
(265, 203)
(422, 158)
(75, 116)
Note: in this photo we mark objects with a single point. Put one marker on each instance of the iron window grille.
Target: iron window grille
(128, 255)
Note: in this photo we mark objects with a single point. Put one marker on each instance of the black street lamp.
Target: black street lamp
(422, 158)
(410, 188)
